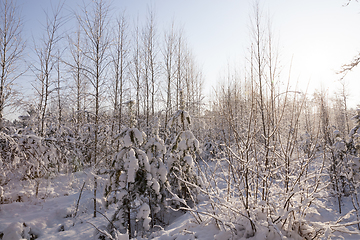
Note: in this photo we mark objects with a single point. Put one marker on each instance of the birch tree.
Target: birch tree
(169, 64)
(136, 71)
(77, 74)
(94, 22)
(150, 50)
(120, 63)
(11, 49)
(47, 62)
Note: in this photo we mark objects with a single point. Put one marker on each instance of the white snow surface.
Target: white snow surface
(144, 213)
(51, 216)
(131, 165)
(189, 160)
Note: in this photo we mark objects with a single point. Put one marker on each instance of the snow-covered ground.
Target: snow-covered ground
(51, 214)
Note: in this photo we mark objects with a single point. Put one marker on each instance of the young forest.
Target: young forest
(118, 141)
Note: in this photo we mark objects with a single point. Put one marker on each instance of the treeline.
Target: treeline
(84, 73)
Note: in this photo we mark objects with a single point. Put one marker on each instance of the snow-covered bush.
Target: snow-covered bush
(19, 231)
(64, 141)
(40, 158)
(10, 158)
(82, 147)
(213, 150)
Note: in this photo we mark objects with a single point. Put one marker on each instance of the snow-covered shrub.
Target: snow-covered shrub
(64, 142)
(36, 166)
(83, 147)
(235, 200)
(86, 144)
(270, 181)
(355, 131)
(306, 144)
(37, 154)
(213, 150)
(19, 231)
(29, 123)
(10, 158)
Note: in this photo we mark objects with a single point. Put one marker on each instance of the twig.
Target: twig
(107, 219)
(78, 201)
(101, 231)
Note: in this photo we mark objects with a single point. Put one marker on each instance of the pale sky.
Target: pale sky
(318, 35)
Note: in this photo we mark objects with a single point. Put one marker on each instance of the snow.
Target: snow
(121, 236)
(121, 194)
(144, 159)
(127, 141)
(182, 145)
(14, 231)
(131, 165)
(162, 173)
(138, 135)
(144, 213)
(51, 216)
(189, 160)
(156, 186)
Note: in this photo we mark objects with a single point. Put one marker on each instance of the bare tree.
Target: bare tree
(192, 83)
(344, 95)
(348, 2)
(47, 58)
(11, 48)
(76, 65)
(94, 23)
(179, 66)
(59, 91)
(135, 70)
(169, 65)
(150, 64)
(120, 64)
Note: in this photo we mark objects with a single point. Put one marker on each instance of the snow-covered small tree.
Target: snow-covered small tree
(130, 182)
(181, 155)
(338, 167)
(353, 147)
(355, 133)
(155, 150)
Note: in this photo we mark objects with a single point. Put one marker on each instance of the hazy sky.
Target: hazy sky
(317, 36)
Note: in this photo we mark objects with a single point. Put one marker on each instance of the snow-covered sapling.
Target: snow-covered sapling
(354, 135)
(130, 179)
(155, 150)
(181, 156)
